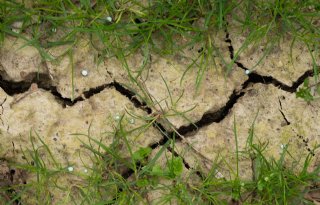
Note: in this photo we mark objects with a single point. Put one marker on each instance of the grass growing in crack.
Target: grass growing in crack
(277, 180)
(134, 26)
(116, 27)
(277, 183)
(309, 92)
(274, 181)
(125, 26)
(43, 170)
(269, 22)
(115, 178)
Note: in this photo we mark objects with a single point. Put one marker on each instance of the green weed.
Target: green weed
(122, 27)
(117, 179)
(308, 92)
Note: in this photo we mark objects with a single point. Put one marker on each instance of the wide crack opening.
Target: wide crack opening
(43, 81)
(257, 78)
(219, 115)
(213, 117)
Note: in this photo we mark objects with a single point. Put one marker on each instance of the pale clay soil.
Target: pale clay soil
(281, 120)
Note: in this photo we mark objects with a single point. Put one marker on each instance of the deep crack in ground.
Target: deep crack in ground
(257, 78)
(44, 82)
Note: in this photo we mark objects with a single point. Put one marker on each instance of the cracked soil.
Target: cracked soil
(39, 100)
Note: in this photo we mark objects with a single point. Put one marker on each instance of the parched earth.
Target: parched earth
(53, 103)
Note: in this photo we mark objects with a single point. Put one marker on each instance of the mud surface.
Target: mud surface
(54, 103)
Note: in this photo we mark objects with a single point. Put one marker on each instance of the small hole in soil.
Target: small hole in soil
(12, 171)
(137, 20)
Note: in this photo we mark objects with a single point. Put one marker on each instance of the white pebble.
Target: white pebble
(84, 72)
(117, 117)
(219, 175)
(131, 121)
(70, 169)
(15, 30)
(109, 18)
(247, 72)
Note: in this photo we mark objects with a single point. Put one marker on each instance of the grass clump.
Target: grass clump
(159, 176)
(270, 22)
(120, 28)
(283, 180)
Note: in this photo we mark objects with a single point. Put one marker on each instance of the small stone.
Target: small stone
(109, 18)
(70, 169)
(117, 117)
(15, 30)
(247, 72)
(132, 121)
(33, 87)
(16, 26)
(219, 175)
(84, 72)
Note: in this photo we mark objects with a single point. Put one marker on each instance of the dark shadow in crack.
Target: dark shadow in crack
(219, 115)
(257, 78)
(44, 82)
(211, 117)
(132, 97)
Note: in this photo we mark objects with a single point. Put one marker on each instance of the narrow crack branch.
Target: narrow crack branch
(254, 77)
(2, 109)
(280, 109)
(280, 103)
(186, 164)
(165, 134)
(284, 117)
